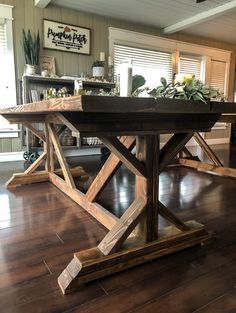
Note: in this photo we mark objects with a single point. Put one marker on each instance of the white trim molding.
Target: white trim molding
(42, 4)
(200, 17)
(141, 40)
(6, 11)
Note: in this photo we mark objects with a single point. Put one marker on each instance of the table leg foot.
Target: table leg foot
(91, 264)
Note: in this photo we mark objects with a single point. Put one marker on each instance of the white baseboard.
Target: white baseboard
(215, 141)
(11, 156)
(82, 152)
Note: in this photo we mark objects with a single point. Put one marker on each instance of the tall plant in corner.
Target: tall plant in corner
(31, 45)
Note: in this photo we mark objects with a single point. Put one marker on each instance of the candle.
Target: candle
(110, 61)
(102, 56)
(125, 80)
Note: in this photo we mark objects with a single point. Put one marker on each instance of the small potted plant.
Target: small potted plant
(98, 68)
(31, 45)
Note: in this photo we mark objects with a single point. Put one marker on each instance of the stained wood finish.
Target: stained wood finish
(122, 229)
(142, 115)
(40, 176)
(205, 147)
(60, 155)
(108, 117)
(172, 148)
(36, 164)
(111, 104)
(98, 104)
(108, 170)
(128, 159)
(37, 133)
(97, 211)
(90, 264)
(146, 193)
(167, 214)
(49, 164)
(209, 168)
(61, 119)
(147, 151)
(24, 179)
(187, 152)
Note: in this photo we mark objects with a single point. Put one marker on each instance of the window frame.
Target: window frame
(6, 16)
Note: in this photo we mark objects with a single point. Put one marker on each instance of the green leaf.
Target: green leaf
(163, 81)
(137, 82)
(31, 47)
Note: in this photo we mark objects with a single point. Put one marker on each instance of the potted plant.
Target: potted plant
(98, 68)
(188, 88)
(31, 45)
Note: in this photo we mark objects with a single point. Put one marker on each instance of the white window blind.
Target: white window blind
(218, 75)
(4, 125)
(189, 64)
(218, 80)
(7, 73)
(3, 42)
(151, 64)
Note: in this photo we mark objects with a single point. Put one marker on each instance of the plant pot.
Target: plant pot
(98, 71)
(30, 69)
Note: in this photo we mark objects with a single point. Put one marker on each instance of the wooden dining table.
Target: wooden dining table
(130, 128)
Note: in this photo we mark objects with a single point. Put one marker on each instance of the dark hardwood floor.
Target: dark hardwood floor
(40, 229)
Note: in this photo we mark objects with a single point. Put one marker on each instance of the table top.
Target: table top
(107, 104)
(113, 116)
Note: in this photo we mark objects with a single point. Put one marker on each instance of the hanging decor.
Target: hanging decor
(66, 37)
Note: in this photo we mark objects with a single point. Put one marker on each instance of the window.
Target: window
(154, 57)
(218, 75)
(190, 64)
(7, 74)
(149, 63)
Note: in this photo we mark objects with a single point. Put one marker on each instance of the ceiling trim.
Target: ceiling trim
(41, 3)
(199, 18)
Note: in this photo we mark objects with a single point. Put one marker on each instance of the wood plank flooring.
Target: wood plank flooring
(40, 228)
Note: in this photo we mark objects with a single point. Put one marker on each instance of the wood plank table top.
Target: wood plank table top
(123, 115)
(107, 104)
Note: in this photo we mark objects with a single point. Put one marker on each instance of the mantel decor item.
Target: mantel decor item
(31, 45)
(66, 37)
(47, 66)
(98, 68)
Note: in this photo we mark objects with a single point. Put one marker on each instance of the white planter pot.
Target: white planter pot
(30, 69)
(98, 71)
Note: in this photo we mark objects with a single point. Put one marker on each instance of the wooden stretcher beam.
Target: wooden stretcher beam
(209, 168)
(128, 159)
(102, 215)
(107, 171)
(205, 147)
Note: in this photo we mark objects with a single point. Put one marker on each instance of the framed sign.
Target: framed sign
(66, 37)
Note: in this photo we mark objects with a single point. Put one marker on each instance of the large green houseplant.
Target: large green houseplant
(31, 45)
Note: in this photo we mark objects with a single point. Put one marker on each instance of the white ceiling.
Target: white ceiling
(213, 18)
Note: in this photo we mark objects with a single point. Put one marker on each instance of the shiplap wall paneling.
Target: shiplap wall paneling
(85, 61)
(100, 33)
(70, 60)
(54, 13)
